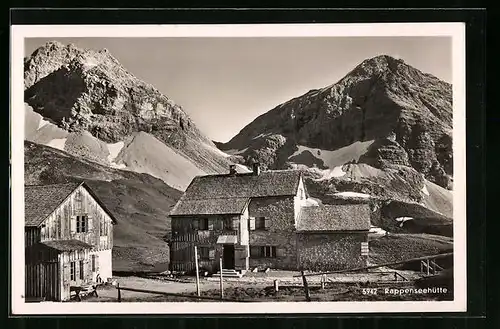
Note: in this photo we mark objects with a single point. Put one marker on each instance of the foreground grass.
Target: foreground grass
(332, 292)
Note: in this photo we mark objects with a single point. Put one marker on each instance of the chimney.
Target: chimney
(232, 169)
(256, 169)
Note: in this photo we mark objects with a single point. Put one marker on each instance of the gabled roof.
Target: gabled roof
(66, 245)
(229, 194)
(345, 217)
(220, 206)
(42, 200)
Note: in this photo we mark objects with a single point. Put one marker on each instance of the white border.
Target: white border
(454, 30)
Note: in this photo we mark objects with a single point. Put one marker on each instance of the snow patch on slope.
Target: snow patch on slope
(312, 202)
(331, 173)
(332, 159)
(144, 153)
(42, 123)
(377, 231)
(425, 190)
(215, 150)
(439, 199)
(403, 220)
(57, 143)
(353, 194)
(114, 150)
(236, 152)
(242, 169)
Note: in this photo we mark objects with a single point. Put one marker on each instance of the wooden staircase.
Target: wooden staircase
(226, 273)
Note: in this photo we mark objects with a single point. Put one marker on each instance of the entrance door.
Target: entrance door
(228, 257)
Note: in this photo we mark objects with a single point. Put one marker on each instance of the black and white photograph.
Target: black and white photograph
(196, 169)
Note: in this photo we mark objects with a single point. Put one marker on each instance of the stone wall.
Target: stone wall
(280, 233)
(330, 251)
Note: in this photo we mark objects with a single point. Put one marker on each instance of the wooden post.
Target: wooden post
(221, 284)
(306, 287)
(323, 281)
(119, 292)
(428, 269)
(421, 266)
(276, 285)
(197, 271)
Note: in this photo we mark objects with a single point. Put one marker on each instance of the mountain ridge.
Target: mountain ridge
(408, 112)
(82, 91)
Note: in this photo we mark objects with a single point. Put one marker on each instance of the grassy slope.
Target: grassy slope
(139, 201)
(398, 247)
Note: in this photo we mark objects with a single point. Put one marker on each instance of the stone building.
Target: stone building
(255, 219)
(333, 237)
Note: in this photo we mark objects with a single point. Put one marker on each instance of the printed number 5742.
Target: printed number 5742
(369, 291)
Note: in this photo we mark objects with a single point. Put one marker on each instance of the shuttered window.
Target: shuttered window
(103, 227)
(260, 223)
(81, 224)
(73, 271)
(93, 263)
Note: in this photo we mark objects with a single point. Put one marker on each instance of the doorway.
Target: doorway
(228, 257)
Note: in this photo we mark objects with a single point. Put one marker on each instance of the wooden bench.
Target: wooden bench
(92, 287)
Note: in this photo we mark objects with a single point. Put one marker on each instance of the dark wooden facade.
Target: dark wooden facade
(42, 265)
(185, 236)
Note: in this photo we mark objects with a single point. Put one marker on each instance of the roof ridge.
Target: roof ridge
(55, 184)
(248, 173)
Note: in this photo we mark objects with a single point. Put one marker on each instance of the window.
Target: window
(81, 270)
(260, 223)
(93, 263)
(203, 224)
(81, 224)
(103, 227)
(204, 253)
(301, 193)
(72, 271)
(262, 251)
(228, 224)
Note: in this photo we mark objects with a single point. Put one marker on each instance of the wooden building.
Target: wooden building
(68, 240)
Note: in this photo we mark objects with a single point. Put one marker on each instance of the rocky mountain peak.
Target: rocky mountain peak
(377, 64)
(87, 89)
(408, 112)
(84, 90)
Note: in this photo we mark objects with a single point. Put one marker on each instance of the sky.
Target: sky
(225, 83)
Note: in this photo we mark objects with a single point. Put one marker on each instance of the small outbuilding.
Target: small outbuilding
(333, 237)
(68, 240)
